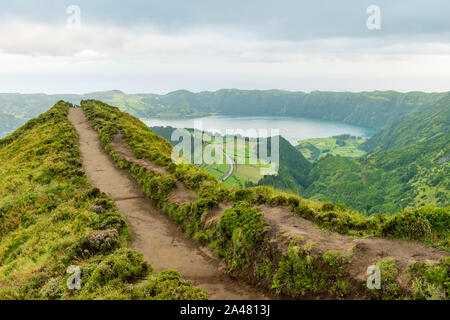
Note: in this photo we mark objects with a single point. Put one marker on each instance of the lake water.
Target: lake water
(292, 129)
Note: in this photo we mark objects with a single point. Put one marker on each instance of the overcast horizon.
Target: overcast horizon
(160, 47)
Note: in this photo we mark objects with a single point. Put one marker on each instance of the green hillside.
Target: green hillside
(410, 169)
(370, 109)
(293, 171)
(423, 128)
(50, 219)
(252, 250)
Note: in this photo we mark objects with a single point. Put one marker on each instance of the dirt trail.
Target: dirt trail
(366, 251)
(180, 195)
(153, 234)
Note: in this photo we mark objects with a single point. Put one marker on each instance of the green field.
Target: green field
(244, 170)
(343, 145)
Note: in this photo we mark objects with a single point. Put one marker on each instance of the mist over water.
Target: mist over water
(292, 129)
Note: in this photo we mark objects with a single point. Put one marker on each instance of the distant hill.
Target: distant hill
(409, 166)
(370, 109)
(423, 128)
(8, 123)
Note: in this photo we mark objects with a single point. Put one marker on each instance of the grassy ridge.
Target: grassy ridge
(240, 236)
(50, 218)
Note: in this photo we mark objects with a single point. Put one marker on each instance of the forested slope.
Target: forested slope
(408, 166)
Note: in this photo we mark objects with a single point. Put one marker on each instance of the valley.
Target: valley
(247, 237)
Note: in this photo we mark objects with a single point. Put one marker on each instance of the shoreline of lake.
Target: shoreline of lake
(293, 129)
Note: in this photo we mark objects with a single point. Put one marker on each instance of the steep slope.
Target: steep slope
(422, 128)
(293, 171)
(410, 168)
(51, 218)
(264, 236)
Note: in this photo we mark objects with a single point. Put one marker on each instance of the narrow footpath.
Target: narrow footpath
(153, 234)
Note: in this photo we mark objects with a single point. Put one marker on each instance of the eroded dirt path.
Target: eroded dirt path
(364, 251)
(153, 234)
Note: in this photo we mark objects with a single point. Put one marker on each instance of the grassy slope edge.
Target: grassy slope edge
(241, 238)
(50, 218)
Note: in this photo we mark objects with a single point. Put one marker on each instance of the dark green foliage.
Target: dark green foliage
(426, 127)
(168, 285)
(299, 273)
(431, 281)
(408, 170)
(123, 266)
(244, 220)
(328, 206)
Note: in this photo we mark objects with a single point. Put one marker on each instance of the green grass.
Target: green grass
(47, 224)
(344, 145)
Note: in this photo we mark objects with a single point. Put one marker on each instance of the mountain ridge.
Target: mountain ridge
(371, 109)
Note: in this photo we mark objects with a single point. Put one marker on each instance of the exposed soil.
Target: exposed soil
(118, 143)
(180, 195)
(364, 251)
(153, 234)
(214, 215)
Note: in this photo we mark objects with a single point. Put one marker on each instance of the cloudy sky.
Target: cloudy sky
(161, 46)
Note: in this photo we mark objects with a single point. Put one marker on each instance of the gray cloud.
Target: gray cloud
(282, 19)
(160, 46)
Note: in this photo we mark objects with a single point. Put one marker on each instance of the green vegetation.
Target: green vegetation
(50, 219)
(369, 109)
(344, 145)
(240, 236)
(409, 168)
(423, 128)
(293, 170)
(430, 281)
